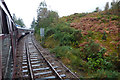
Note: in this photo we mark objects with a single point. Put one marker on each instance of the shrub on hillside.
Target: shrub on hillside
(67, 29)
(61, 51)
(99, 61)
(90, 34)
(49, 31)
(115, 17)
(67, 39)
(77, 35)
(58, 35)
(105, 74)
(104, 37)
(91, 49)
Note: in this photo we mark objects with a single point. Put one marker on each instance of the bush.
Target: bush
(49, 31)
(61, 51)
(103, 21)
(67, 29)
(104, 37)
(91, 49)
(114, 18)
(58, 35)
(99, 17)
(90, 34)
(100, 62)
(77, 35)
(77, 52)
(67, 39)
(76, 62)
(105, 74)
(94, 57)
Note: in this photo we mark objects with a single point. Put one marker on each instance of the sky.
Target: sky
(27, 9)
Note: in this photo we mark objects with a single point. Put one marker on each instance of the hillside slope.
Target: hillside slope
(96, 25)
(87, 43)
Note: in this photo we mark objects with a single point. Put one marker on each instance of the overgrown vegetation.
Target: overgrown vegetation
(87, 42)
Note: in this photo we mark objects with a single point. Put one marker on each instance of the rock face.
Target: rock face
(95, 24)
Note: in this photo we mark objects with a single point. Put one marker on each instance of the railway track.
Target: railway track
(36, 64)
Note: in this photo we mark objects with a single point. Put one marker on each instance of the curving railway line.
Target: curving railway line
(22, 58)
(38, 64)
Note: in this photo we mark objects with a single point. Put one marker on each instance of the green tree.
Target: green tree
(18, 21)
(97, 9)
(42, 11)
(107, 6)
(52, 16)
(115, 7)
(33, 23)
(113, 4)
(45, 17)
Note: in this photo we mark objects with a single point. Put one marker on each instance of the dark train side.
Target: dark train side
(9, 36)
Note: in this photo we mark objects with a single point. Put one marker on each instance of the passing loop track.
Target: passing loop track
(38, 66)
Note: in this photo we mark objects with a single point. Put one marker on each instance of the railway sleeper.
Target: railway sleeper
(38, 69)
(35, 62)
(45, 70)
(41, 69)
(39, 65)
(24, 67)
(47, 77)
(25, 70)
(43, 73)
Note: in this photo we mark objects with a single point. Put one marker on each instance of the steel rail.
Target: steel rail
(69, 70)
(57, 75)
(29, 63)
